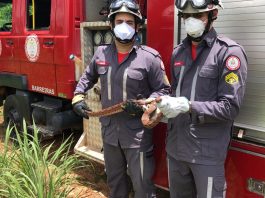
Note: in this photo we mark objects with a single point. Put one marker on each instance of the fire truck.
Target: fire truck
(37, 78)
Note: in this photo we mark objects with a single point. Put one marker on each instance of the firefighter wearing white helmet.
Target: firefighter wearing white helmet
(196, 6)
(122, 32)
(195, 27)
(127, 70)
(208, 81)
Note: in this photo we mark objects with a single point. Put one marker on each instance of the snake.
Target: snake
(150, 118)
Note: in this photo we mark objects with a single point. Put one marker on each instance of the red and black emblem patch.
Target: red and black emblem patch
(232, 63)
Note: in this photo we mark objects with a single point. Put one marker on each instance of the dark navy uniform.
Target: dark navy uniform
(126, 141)
(198, 140)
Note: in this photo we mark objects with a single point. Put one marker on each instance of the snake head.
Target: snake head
(133, 108)
(151, 116)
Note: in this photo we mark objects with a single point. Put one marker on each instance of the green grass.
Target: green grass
(29, 170)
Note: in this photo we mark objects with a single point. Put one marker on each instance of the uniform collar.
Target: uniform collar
(134, 48)
(209, 39)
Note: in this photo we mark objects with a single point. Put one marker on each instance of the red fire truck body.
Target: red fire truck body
(52, 73)
(38, 79)
(36, 74)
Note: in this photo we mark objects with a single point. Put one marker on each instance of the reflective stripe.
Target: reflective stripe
(142, 164)
(209, 187)
(168, 173)
(124, 87)
(109, 83)
(224, 193)
(194, 82)
(180, 80)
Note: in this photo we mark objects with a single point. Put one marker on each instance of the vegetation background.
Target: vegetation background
(5, 13)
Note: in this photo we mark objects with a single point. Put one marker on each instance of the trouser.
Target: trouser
(140, 165)
(188, 180)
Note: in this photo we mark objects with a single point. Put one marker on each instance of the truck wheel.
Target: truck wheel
(12, 114)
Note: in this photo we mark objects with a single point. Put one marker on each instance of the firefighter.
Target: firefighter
(126, 70)
(208, 81)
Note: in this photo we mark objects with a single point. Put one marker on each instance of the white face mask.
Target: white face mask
(194, 27)
(124, 32)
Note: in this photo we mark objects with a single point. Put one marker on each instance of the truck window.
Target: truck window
(5, 15)
(38, 14)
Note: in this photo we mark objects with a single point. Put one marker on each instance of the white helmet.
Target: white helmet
(197, 6)
(127, 6)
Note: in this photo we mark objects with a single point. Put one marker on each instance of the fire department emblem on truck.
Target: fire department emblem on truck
(32, 47)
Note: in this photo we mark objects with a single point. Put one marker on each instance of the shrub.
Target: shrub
(28, 170)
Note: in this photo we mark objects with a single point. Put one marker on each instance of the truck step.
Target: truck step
(44, 132)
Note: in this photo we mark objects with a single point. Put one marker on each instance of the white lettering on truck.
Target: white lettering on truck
(43, 89)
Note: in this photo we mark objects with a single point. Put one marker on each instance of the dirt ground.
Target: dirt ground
(92, 178)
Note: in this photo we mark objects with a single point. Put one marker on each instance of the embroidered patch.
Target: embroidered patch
(162, 66)
(102, 63)
(231, 78)
(232, 63)
(178, 63)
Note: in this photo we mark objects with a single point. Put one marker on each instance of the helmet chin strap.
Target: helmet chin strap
(207, 28)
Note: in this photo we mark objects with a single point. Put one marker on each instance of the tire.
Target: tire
(12, 114)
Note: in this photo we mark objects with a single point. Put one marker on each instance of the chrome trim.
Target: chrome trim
(247, 152)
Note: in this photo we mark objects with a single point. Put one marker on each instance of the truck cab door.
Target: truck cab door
(37, 46)
(7, 40)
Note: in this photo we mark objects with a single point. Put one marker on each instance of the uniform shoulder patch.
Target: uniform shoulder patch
(232, 63)
(231, 78)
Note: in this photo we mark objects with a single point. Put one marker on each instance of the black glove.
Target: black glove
(80, 109)
(133, 108)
